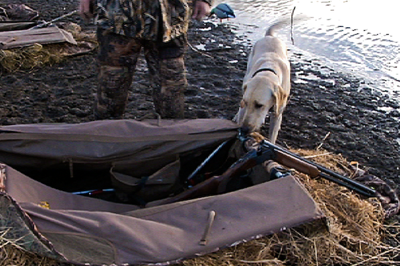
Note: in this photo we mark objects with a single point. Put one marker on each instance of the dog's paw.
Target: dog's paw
(257, 136)
(235, 119)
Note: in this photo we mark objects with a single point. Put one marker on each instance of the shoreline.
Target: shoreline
(325, 106)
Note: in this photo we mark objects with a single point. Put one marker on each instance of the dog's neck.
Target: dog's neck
(263, 69)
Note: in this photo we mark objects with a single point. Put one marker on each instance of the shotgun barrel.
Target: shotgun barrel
(314, 170)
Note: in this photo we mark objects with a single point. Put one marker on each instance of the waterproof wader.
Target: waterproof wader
(117, 61)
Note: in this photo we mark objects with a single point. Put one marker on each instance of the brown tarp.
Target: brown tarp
(82, 230)
(22, 38)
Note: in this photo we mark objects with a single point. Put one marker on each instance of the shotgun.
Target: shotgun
(314, 170)
(264, 152)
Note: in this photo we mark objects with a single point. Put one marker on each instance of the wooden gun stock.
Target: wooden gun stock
(292, 162)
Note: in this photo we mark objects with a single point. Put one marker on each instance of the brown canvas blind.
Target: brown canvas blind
(84, 230)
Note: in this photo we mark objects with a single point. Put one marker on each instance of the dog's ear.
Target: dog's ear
(280, 99)
(242, 102)
(244, 87)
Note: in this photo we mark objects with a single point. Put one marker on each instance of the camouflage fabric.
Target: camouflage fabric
(168, 88)
(112, 92)
(118, 56)
(124, 28)
(144, 19)
(384, 192)
(18, 229)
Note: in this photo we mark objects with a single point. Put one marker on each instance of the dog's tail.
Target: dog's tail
(276, 26)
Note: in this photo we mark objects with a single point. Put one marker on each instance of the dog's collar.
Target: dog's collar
(263, 69)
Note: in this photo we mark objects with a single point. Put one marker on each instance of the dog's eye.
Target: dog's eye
(258, 106)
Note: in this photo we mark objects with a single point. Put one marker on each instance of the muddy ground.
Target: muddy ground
(323, 102)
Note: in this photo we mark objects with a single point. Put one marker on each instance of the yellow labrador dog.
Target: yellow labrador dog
(266, 85)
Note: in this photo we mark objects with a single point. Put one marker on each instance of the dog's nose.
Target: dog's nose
(245, 130)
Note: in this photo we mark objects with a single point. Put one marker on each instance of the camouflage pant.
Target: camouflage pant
(118, 57)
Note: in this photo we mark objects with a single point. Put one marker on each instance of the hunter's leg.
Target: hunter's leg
(117, 60)
(168, 77)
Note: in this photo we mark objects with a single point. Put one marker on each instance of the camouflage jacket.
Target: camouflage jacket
(145, 19)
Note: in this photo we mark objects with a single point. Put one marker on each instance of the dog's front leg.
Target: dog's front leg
(274, 126)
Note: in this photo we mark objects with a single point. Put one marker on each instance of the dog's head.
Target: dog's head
(260, 95)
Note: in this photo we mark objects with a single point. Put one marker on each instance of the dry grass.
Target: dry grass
(12, 255)
(29, 57)
(355, 236)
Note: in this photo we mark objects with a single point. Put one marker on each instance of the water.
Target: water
(351, 36)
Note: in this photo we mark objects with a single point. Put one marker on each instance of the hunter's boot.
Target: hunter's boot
(112, 92)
